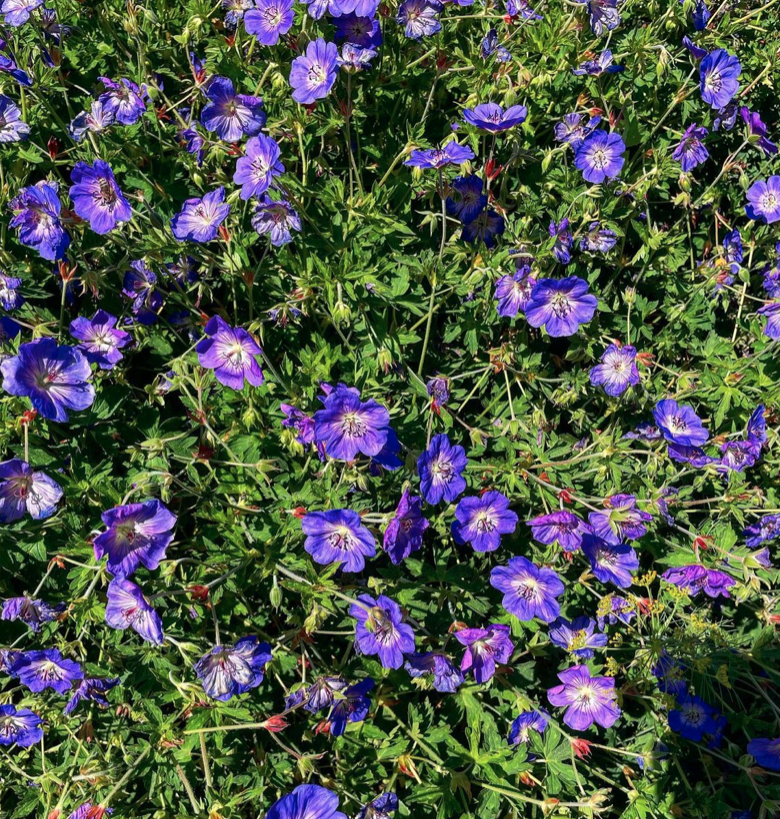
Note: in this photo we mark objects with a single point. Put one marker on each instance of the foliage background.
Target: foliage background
(361, 272)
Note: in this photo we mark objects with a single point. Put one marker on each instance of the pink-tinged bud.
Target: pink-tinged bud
(581, 748)
(276, 724)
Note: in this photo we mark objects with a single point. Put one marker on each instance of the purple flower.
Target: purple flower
(92, 690)
(37, 215)
(361, 8)
(404, 534)
(669, 673)
(39, 670)
(380, 630)
(355, 58)
(230, 352)
(772, 312)
(525, 722)
(490, 46)
(438, 389)
(194, 143)
(351, 706)
(600, 156)
(620, 521)
(561, 525)
(693, 455)
(756, 428)
(199, 219)
(603, 15)
(695, 50)
(440, 469)
(9, 329)
(610, 563)
(692, 718)
(513, 293)
(691, 151)
(529, 591)
(485, 649)
(766, 752)
(695, 578)
(33, 613)
(348, 426)
(701, 14)
(8, 66)
(601, 65)
(54, 378)
(97, 198)
(466, 200)
(718, 584)
(124, 101)
(480, 521)
(276, 219)
(679, 424)
(312, 75)
(757, 131)
(573, 131)
(563, 240)
(136, 534)
(231, 115)
(491, 117)
(227, 671)
(484, 228)
(420, 18)
(578, 637)
(517, 8)
(12, 128)
(718, 74)
(140, 285)
(338, 536)
(361, 31)
(307, 802)
(380, 808)
(764, 200)
(726, 117)
(269, 20)
(644, 432)
(321, 693)
(598, 239)
(451, 154)
(22, 490)
(10, 298)
(100, 340)
(127, 607)
(89, 811)
(613, 609)
(300, 422)
(617, 371)
(737, 456)
(447, 677)
(586, 699)
(561, 305)
(17, 12)
(234, 12)
(19, 726)
(318, 8)
(767, 528)
(256, 170)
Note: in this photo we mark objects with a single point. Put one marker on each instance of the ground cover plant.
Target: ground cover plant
(389, 409)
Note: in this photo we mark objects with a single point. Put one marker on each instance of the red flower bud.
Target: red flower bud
(276, 723)
(199, 593)
(581, 748)
(53, 147)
